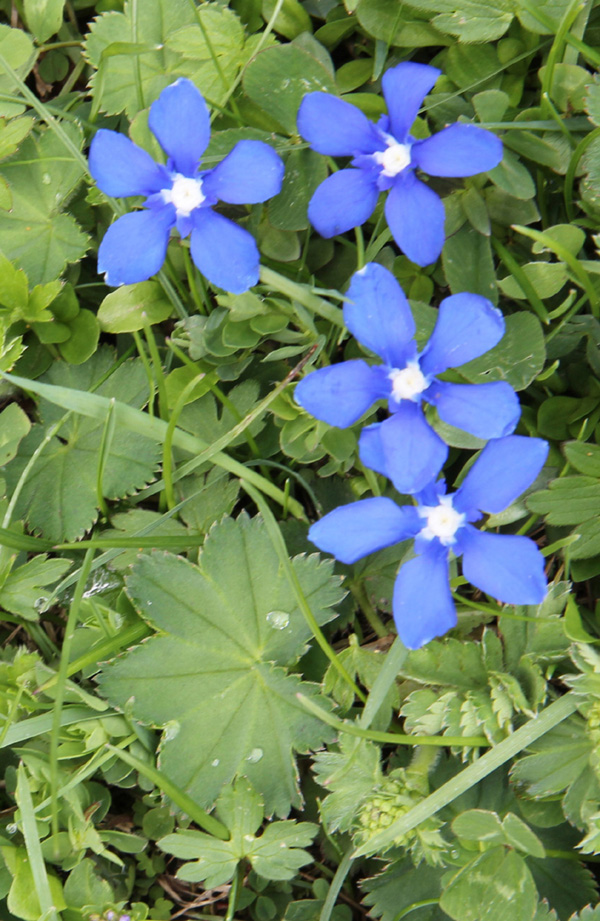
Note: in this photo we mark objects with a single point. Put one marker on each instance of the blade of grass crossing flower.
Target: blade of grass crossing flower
(96, 407)
(278, 542)
(563, 253)
(34, 848)
(181, 799)
(473, 774)
(61, 682)
(389, 738)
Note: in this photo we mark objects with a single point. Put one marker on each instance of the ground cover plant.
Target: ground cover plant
(300, 446)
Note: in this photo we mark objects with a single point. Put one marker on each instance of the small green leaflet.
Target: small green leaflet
(216, 677)
(60, 493)
(276, 854)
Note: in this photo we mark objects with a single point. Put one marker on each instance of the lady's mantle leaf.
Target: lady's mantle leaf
(60, 495)
(34, 234)
(215, 678)
(276, 854)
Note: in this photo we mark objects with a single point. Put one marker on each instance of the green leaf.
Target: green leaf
(546, 277)
(304, 171)
(561, 756)
(12, 133)
(478, 825)
(129, 307)
(402, 886)
(568, 500)
(487, 884)
(276, 854)
(35, 234)
(447, 663)
(17, 49)
(14, 425)
(520, 836)
(59, 496)
(584, 457)
(518, 358)
(23, 587)
(512, 176)
(349, 776)
(44, 17)
(567, 885)
(231, 624)
(292, 19)
(83, 339)
(400, 26)
(277, 79)
(130, 82)
(211, 54)
(468, 264)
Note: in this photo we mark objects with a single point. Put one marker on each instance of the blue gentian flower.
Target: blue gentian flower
(506, 566)
(405, 447)
(182, 195)
(385, 157)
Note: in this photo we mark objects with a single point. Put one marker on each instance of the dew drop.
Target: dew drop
(215, 763)
(255, 755)
(172, 730)
(279, 620)
(46, 178)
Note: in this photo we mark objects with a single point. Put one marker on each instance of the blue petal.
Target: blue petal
(422, 605)
(135, 246)
(250, 173)
(484, 410)
(336, 128)
(351, 531)
(340, 394)
(404, 88)
(379, 315)
(503, 470)
(224, 252)
(505, 566)
(415, 215)
(459, 150)
(343, 201)
(121, 168)
(404, 448)
(180, 121)
(468, 325)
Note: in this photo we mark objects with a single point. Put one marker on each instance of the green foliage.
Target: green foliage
(59, 495)
(275, 854)
(231, 625)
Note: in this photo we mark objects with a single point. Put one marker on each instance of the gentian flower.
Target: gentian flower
(405, 447)
(385, 157)
(182, 195)
(508, 567)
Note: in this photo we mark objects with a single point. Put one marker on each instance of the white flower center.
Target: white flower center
(185, 194)
(408, 383)
(443, 521)
(395, 159)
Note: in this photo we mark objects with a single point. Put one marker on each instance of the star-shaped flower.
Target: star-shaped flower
(182, 195)
(405, 447)
(506, 566)
(385, 157)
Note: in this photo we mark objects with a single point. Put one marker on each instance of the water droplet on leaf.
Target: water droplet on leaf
(279, 620)
(255, 755)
